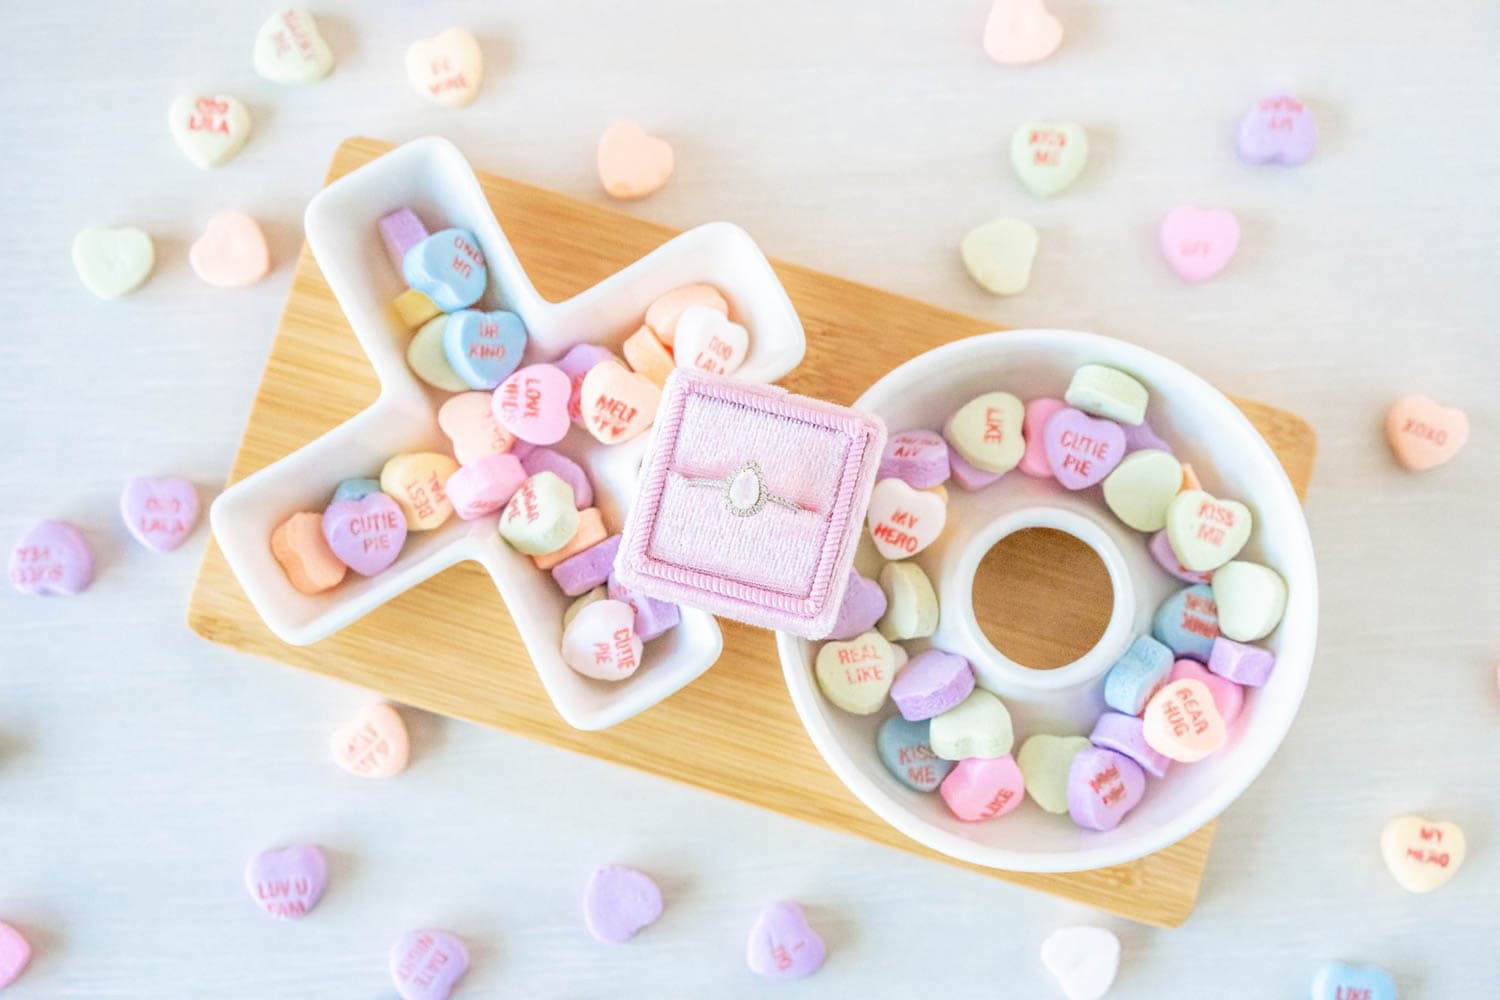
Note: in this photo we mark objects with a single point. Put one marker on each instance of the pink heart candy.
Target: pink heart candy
(1081, 450)
(600, 641)
(15, 952)
(1199, 242)
(232, 252)
(782, 946)
(366, 534)
(425, 964)
(53, 558)
(287, 882)
(484, 486)
(619, 902)
(533, 404)
(1034, 459)
(1228, 697)
(469, 421)
(904, 521)
(1018, 32)
(159, 513)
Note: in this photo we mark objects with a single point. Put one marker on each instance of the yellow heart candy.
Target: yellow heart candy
(416, 482)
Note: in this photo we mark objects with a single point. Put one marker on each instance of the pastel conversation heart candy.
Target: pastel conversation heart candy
(589, 532)
(904, 521)
(1160, 547)
(1187, 622)
(540, 517)
(232, 251)
(52, 558)
(1423, 434)
(1277, 129)
(159, 513)
(297, 543)
(600, 641)
(353, 489)
(652, 617)
(1339, 981)
(532, 404)
(1034, 458)
(1206, 532)
(447, 68)
(662, 315)
(15, 953)
(1142, 486)
(448, 267)
(366, 534)
(400, 231)
(1142, 436)
(1103, 786)
(1229, 697)
(591, 567)
(1081, 450)
(967, 476)
(856, 675)
(863, 604)
(646, 354)
(1018, 32)
(1136, 675)
(983, 788)
(288, 48)
(425, 964)
(617, 404)
(1181, 722)
(428, 358)
(905, 751)
(373, 744)
(484, 486)
(979, 726)
(1048, 156)
(583, 601)
(631, 163)
(578, 362)
(998, 255)
(931, 683)
(1107, 392)
(708, 342)
(414, 309)
(483, 348)
(209, 130)
(918, 458)
(287, 882)
(1198, 243)
(469, 421)
(619, 902)
(1045, 761)
(782, 946)
(1422, 854)
(1126, 734)
(911, 604)
(415, 481)
(986, 431)
(1083, 960)
(113, 262)
(1250, 598)
(1235, 661)
(546, 460)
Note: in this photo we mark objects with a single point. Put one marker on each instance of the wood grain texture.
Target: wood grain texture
(449, 646)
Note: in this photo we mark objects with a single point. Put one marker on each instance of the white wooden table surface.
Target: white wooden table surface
(140, 766)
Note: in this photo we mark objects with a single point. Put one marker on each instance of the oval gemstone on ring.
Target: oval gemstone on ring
(745, 491)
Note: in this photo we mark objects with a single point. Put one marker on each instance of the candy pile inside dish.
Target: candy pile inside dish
(1172, 696)
(502, 420)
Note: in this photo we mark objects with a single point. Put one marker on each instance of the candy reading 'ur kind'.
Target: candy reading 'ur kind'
(631, 163)
(483, 348)
(287, 882)
(159, 513)
(619, 902)
(447, 68)
(448, 267)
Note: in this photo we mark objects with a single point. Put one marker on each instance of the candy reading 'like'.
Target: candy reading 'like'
(373, 744)
(856, 674)
(782, 946)
(986, 432)
(600, 641)
(1048, 156)
(979, 726)
(1423, 434)
(931, 683)
(619, 903)
(1198, 243)
(1083, 960)
(633, 164)
(425, 964)
(299, 546)
(904, 521)
(366, 534)
(209, 130)
(159, 513)
(1018, 32)
(906, 752)
(288, 48)
(708, 342)
(978, 789)
(1421, 854)
(1277, 129)
(999, 254)
(447, 68)
(1045, 761)
(113, 262)
(540, 517)
(415, 481)
(448, 267)
(1107, 392)
(1103, 786)
(287, 882)
(15, 953)
(1181, 722)
(1339, 981)
(232, 251)
(1081, 450)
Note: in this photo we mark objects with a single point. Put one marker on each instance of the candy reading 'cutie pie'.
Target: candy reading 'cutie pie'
(782, 945)
(903, 521)
(1421, 854)
(366, 534)
(1081, 450)
(446, 68)
(159, 513)
(856, 674)
(426, 964)
(532, 404)
(373, 744)
(600, 641)
(287, 882)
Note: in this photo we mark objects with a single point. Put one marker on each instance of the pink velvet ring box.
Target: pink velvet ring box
(751, 502)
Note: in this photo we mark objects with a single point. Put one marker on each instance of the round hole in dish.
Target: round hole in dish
(1042, 597)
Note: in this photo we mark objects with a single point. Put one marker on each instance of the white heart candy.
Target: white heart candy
(1142, 487)
(1048, 156)
(289, 49)
(903, 521)
(1084, 960)
(979, 726)
(113, 262)
(986, 431)
(705, 340)
(999, 254)
(600, 641)
(856, 675)
(1206, 532)
(446, 68)
(209, 130)
(1250, 598)
(1422, 855)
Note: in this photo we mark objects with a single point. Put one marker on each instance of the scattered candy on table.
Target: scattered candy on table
(289, 49)
(1277, 129)
(51, 559)
(373, 744)
(1048, 156)
(1198, 243)
(425, 964)
(287, 882)
(447, 68)
(1422, 854)
(1424, 434)
(619, 903)
(159, 513)
(232, 251)
(15, 953)
(1019, 32)
(633, 164)
(1339, 981)
(998, 255)
(209, 130)
(1084, 960)
(782, 945)
(113, 262)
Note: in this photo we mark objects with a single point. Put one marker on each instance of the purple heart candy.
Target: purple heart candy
(287, 882)
(1102, 787)
(1241, 663)
(1141, 437)
(967, 476)
(1160, 548)
(1081, 449)
(589, 568)
(618, 903)
(51, 559)
(426, 964)
(578, 362)
(366, 534)
(546, 460)
(863, 604)
(1277, 129)
(931, 683)
(919, 458)
(652, 616)
(782, 946)
(159, 513)
(1126, 734)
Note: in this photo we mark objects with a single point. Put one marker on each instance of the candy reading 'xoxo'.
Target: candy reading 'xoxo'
(373, 744)
(1045, 761)
(906, 752)
(979, 726)
(856, 674)
(287, 882)
(633, 164)
(978, 789)
(1423, 434)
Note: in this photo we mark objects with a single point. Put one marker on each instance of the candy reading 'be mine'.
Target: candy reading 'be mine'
(1421, 854)
(425, 964)
(782, 946)
(113, 262)
(446, 68)
(373, 744)
(633, 164)
(209, 130)
(159, 513)
(998, 255)
(287, 882)
(618, 903)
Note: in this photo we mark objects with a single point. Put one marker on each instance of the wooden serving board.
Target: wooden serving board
(421, 650)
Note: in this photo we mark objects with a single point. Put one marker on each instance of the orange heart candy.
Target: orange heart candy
(1424, 434)
(633, 164)
(617, 404)
(374, 743)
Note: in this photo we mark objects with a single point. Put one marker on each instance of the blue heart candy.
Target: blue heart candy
(355, 489)
(906, 752)
(1188, 622)
(484, 348)
(1337, 981)
(1138, 672)
(448, 268)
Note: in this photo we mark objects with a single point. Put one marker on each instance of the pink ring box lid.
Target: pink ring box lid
(751, 502)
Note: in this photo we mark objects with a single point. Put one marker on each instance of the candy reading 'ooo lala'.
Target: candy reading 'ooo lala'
(1338, 981)
(663, 314)
(366, 534)
(232, 251)
(299, 546)
(1250, 599)
(1136, 675)
(1277, 129)
(1228, 697)
(708, 342)
(448, 268)
(618, 903)
(113, 262)
(288, 48)
(469, 421)
(1423, 434)
(863, 605)
(1235, 661)
(15, 953)
(918, 458)
(1048, 156)
(904, 521)
(600, 641)
(1083, 960)
(425, 964)
(1187, 623)
(209, 130)
(1141, 488)
(373, 744)
(287, 882)
(428, 358)
(1034, 458)
(1206, 532)
(931, 683)
(1181, 722)
(998, 255)
(446, 68)
(541, 517)
(1103, 786)
(979, 726)
(616, 403)
(633, 164)
(782, 946)
(591, 567)
(1198, 243)
(1045, 761)
(415, 481)
(1081, 450)
(986, 432)
(856, 674)
(1421, 854)
(1107, 392)
(645, 354)
(1126, 734)
(159, 513)
(911, 610)
(51, 559)
(483, 348)
(484, 486)
(1018, 32)
(979, 789)
(905, 751)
